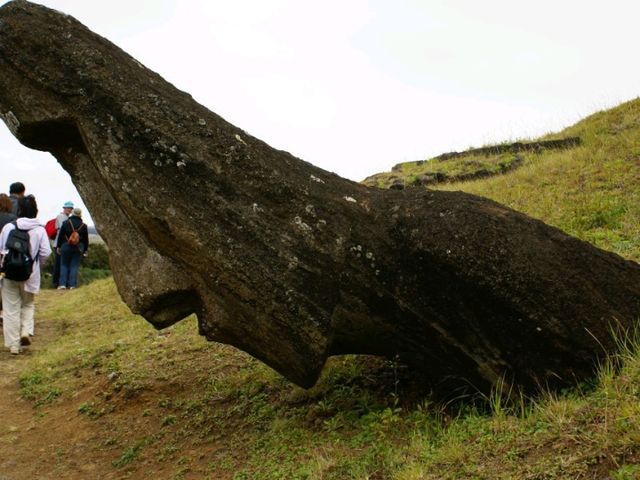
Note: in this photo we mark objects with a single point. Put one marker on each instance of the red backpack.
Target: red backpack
(51, 229)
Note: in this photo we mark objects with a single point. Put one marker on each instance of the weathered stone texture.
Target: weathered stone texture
(289, 262)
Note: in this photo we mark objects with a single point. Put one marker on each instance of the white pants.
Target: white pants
(18, 308)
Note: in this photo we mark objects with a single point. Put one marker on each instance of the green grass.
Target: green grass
(487, 161)
(591, 191)
(471, 164)
(170, 399)
(357, 422)
(35, 387)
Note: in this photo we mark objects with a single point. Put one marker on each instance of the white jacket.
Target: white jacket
(40, 249)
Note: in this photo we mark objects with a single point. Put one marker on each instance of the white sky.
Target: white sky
(356, 86)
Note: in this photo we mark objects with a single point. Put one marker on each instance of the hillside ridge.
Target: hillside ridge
(475, 163)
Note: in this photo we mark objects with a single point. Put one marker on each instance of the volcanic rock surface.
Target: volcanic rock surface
(287, 261)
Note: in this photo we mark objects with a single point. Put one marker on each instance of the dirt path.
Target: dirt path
(55, 441)
(18, 419)
(34, 443)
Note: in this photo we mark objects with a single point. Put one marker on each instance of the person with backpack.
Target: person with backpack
(62, 217)
(72, 245)
(24, 247)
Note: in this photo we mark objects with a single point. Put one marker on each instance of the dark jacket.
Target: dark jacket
(6, 217)
(14, 201)
(68, 226)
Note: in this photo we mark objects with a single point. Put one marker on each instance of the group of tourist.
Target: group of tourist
(19, 226)
(67, 254)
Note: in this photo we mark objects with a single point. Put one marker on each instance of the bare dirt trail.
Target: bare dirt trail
(37, 443)
(16, 414)
(55, 441)
(18, 418)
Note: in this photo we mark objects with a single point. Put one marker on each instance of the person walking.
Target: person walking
(18, 296)
(6, 216)
(16, 192)
(62, 217)
(6, 210)
(72, 250)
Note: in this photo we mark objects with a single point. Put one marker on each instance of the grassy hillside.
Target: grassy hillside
(471, 164)
(170, 405)
(591, 191)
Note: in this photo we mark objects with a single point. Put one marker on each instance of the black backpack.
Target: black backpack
(17, 264)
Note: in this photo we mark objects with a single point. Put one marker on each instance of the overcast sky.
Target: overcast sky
(356, 86)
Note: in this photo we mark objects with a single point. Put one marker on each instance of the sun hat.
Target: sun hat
(67, 205)
(77, 212)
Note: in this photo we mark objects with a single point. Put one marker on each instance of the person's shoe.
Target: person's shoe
(25, 340)
(62, 287)
(14, 350)
(72, 288)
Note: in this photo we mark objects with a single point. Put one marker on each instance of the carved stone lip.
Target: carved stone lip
(291, 263)
(171, 308)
